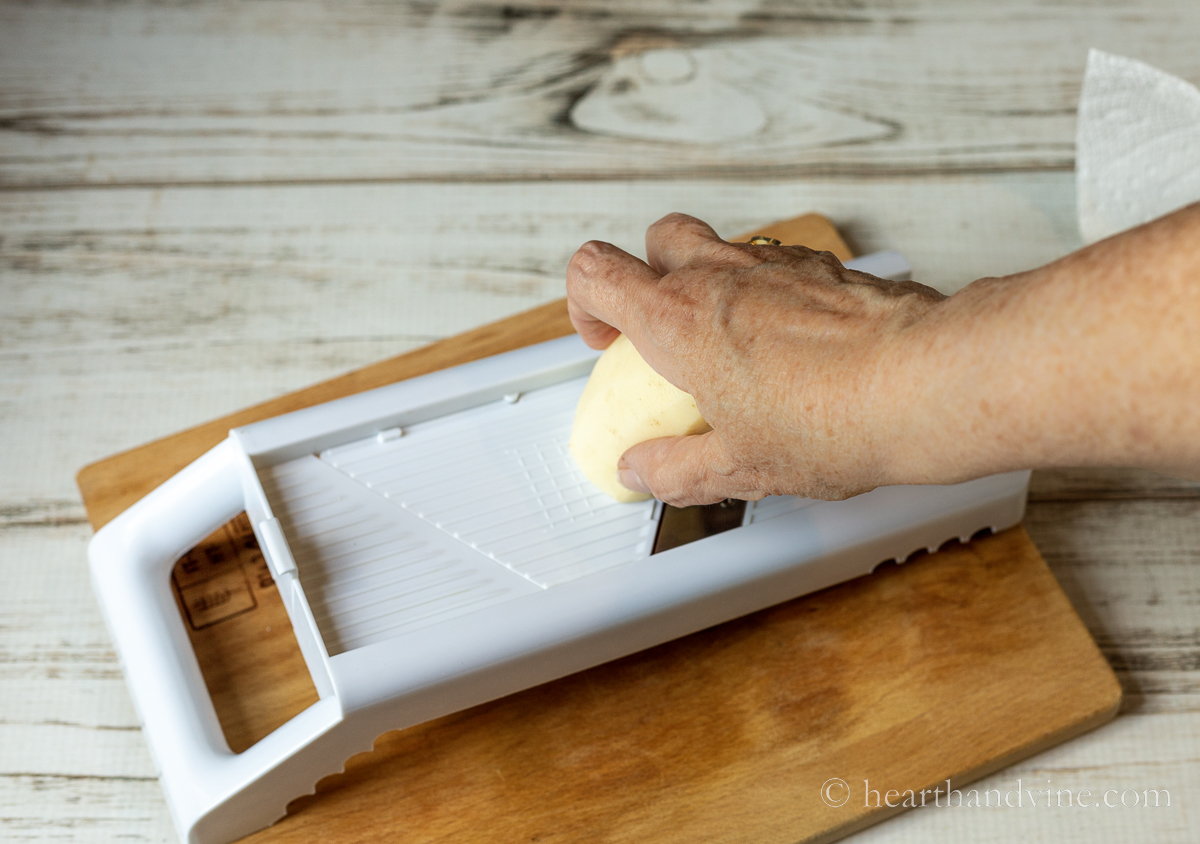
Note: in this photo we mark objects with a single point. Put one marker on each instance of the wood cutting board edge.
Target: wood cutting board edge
(110, 485)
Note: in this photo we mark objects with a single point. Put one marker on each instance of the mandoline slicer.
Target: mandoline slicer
(436, 547)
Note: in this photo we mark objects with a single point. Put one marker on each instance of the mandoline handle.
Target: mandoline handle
(131, 560)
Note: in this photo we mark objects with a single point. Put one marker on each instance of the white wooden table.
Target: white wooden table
(207, 204)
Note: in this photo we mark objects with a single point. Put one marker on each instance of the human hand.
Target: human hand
(792, 360)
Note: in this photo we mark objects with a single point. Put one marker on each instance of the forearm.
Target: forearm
(1092, 360)
(822, 382)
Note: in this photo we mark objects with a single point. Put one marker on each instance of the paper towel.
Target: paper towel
(1137, 145)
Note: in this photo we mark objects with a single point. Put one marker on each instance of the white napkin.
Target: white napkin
(1137, 145)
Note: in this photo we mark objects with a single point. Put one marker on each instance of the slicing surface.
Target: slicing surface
(394, 532)
(460, 512)
(500, 479)
(370, 570)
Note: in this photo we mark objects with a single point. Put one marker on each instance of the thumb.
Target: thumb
(682, 471)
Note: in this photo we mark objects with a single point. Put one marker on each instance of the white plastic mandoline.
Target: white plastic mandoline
(436, 547)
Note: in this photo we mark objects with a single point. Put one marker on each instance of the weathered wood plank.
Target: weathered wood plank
(1132, 570)
(75, 810)
(106, 338)
(59, 750)
(64, 710)
(155, 309)
(305, 91)
(133, 313)
(53, 638)
(1129, 567)
(1091, 483)
(1152, 750)
(1135, 752)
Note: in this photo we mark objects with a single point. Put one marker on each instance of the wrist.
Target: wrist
(946, 401)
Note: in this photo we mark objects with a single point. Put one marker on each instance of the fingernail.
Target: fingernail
(630, 480)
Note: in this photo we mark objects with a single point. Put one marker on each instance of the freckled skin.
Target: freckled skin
(823, 382)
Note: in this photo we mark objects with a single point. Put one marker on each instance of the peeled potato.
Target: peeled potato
(624, 403)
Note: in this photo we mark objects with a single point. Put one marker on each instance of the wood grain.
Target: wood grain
(1132, 570)
(255, 690)
(72, 758)
(712, 731)
(142, 311)
(111, 485)
(126, 314)
(950, 667)
(226, 596)
(302, 91)
(88, 366)
(1108, 483)
(241, 634)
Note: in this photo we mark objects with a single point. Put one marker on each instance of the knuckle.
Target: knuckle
(588, 255)
(586, 263)
(727, 254)
(819, 256)
(594, 248)
(832, 262)
(673, 219)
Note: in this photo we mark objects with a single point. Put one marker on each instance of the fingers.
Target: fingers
(681, 471)
(675, 239)
(606, 286)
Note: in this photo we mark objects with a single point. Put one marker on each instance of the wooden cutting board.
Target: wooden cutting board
(777, 727)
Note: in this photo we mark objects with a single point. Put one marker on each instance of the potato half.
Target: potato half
(624, 403)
